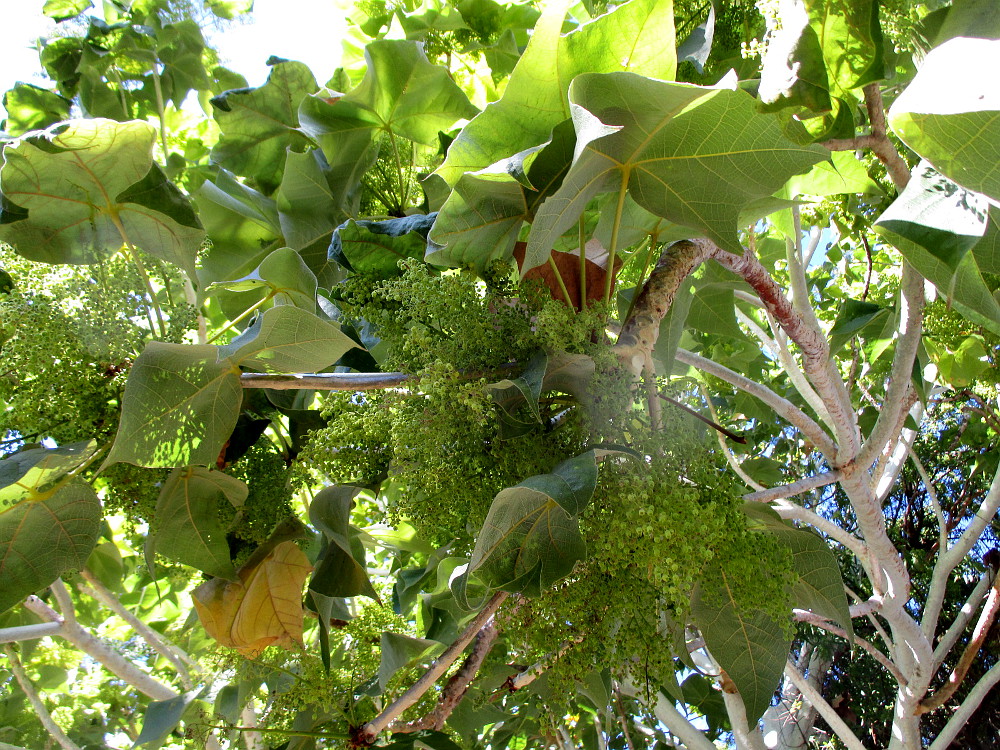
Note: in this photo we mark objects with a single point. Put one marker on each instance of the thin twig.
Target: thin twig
(367, 733)
(801, 615)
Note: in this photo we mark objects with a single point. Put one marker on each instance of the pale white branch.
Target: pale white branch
(801, 615)
(816, 699)
(747, 737)
(156, 641)
(793, 512)
(965, 711)
(964, 617)
(791, 489)
(54, 730)
(897, 396)
(29, 632)
(93, 646)
(781, 406)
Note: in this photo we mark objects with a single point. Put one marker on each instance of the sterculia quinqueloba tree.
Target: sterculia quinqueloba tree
(603, 376)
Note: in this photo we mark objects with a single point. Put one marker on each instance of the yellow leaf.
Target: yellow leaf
(263, 608)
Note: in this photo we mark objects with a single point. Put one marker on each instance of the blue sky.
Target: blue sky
(305, 30)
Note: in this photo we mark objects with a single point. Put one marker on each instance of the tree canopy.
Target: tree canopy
(547, 375)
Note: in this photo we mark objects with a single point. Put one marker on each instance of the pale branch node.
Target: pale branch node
(367, 733)
(41, 712)
(781, 406)
(877, 140)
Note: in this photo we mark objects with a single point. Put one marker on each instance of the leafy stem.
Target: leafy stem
(609, 278)
(137, 261)
(243, 316)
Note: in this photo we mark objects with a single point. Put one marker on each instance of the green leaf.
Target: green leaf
(284, 276)
(31, 107)
(339, 572)
(186, 525)
(374, 248)
(960, 368)
(162, 717)
(950, 113)
(310, 202)
(41, 538)
(422, 740)
(750, 646)
(398, 651)
(509, 394)
(637, 36)
(686, 153)
(63, 10)
(987, 250)
(402, 94)
(229, 9)
(479, 222)
(854, 317)
(713, 310)
(288, 339)
(65, 180)
(842, 173)
(961, 285)
(935, 213)
(823, 47)
(32, 473)
(242, 224)
(482, 217)
(820, 586)
(531, 536)
(180, 406)
(259, 125)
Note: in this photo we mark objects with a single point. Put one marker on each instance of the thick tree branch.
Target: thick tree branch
(792, 512)
(325, 381)
(457, 685)
(899, 395)
(96, 589)
(877, 140)
(812, 342)
(54, 730)
(93, 646)
(987, 581)
(29, 632)
(367, 733)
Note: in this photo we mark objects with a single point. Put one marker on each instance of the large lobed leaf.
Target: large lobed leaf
(44, 536)
(181, 402)
(694, 155)
(186, 525)
(749, 645)
(637, 36)
(531, 537)
(79, 192)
